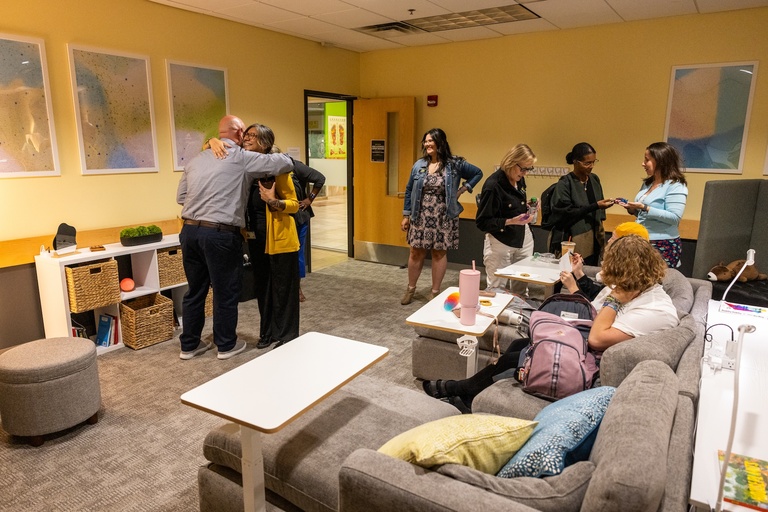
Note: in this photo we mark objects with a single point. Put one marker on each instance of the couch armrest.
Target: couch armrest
(666, 346)
(372, 482)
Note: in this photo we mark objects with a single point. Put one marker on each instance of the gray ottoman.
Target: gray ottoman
(48, 385)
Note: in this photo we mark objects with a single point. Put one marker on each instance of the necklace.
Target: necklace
(584, 182)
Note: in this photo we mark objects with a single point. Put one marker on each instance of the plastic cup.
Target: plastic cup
(567, 247)
(469, 293)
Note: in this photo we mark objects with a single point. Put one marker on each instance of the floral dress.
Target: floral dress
(432, 229)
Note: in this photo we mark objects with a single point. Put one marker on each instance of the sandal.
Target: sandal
(460, 404)
(435, 388)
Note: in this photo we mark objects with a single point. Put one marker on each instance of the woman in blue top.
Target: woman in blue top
(431, 210)
(660, 204)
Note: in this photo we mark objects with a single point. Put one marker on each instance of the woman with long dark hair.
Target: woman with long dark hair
(660, 203)
(431, 210)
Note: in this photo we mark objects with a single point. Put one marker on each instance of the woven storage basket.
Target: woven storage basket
(170, 266)
(93, 286)
(146, 320)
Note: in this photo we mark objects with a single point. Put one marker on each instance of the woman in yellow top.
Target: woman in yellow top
(273, 242)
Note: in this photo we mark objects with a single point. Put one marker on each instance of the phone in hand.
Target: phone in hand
(620, 200)
(525, 216)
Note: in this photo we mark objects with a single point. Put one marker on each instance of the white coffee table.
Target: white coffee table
(269, 392)
(533, 270)
(433, 315)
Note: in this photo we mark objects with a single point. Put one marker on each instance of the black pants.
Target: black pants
(469, 388)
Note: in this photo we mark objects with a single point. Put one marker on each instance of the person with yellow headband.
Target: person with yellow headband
(578, 282)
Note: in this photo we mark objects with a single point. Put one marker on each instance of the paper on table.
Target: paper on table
(565, 262)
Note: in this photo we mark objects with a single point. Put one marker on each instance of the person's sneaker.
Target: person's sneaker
(264, 342)
(202, 348)
(281, 343)
(239, 347)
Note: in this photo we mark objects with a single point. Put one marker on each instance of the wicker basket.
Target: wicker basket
(93, 286)
(170, 267)
(146, 320)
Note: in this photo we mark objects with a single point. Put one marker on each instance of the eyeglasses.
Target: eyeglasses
(525, 169)
(589, 164)
(249, 136)
(427, 142)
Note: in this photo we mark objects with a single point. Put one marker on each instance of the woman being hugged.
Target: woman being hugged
(431, 210)
(660, 203)
(578, 206)
(502, 214)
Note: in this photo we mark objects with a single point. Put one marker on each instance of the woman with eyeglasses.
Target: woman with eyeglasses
(273, 243)
(578, 207)
(660, 203)
(431, 210)
(502, 214)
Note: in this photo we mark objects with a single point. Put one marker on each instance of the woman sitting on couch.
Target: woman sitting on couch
(632, 304)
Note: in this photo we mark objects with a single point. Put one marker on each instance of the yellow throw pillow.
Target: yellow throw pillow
(481, 441)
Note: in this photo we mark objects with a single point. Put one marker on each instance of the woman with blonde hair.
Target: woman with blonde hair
(502, 214)
(632, 304)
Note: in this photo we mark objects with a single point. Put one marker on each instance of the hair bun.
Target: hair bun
(569, 158)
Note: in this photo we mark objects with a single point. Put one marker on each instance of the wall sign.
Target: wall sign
(378, 150)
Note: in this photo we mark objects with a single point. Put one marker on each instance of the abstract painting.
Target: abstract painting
(27, 135)
(113, 106)
(198, 99)
(708, 115)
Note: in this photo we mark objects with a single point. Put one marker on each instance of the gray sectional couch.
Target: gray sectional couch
(327, 459)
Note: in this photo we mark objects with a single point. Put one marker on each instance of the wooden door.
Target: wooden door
(385, 126)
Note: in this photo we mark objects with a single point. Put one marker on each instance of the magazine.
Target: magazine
(746, 481)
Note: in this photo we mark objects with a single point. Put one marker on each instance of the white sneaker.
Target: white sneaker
(239, 347)
(202, 348)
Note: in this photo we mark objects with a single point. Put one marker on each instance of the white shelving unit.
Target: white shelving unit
(54, 296)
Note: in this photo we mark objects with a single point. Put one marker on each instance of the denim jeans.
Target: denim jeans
(211, 258)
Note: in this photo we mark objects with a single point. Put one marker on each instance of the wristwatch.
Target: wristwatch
(646, 208)
(312, 196)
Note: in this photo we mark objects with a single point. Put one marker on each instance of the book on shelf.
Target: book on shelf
(746, 481)
(104, 331)
(114, 336)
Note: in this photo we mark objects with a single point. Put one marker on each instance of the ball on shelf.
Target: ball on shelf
(127, 285)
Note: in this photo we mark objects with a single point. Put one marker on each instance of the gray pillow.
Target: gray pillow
(559, 493)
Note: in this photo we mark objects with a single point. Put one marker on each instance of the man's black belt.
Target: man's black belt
(214, 225)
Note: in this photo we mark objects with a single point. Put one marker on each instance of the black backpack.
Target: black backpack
(548, 220)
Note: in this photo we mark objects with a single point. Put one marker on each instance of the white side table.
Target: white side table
(533, 270)
(301, 374)
(433, 315)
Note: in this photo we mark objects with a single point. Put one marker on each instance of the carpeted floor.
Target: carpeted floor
(144, 452)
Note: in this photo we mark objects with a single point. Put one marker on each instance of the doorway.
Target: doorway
(328, 139)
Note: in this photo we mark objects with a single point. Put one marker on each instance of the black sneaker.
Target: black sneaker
(281, 343)
(264, 342)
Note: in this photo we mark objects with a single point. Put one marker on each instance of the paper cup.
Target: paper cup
(567, 247)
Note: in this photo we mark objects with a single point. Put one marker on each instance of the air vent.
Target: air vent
(395, 28)
(453, 21)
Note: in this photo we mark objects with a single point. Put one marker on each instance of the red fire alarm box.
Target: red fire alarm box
(432, 100)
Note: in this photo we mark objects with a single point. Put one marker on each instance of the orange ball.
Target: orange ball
(127, 284)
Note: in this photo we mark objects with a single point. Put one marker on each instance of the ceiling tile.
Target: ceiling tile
(418, 39)
(352, 39)
(575, 13)
(308, 7)
(353, 18)
(464, 5)
(469, 34)
(399, 9)
(306, 26)
(523, 27)
(647, 9)
(259, 13)
(730, 5)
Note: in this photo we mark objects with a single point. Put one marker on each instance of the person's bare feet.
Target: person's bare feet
(302, 298)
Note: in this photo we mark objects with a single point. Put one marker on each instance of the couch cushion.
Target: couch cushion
(302, 461)
(636, 428)
(679, 290)
(564, 435)
(480, 441)
(558, 493)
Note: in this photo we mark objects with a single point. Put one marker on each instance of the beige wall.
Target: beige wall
(607, 85)
(267, 75)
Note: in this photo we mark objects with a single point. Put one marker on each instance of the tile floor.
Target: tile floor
(329, 230)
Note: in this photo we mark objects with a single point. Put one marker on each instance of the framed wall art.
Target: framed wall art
(27, 134)
(113, 107)
(198, 100)
(708, 115)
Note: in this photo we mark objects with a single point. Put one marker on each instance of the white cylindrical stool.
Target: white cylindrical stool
(47, 386)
